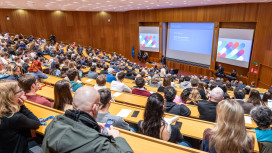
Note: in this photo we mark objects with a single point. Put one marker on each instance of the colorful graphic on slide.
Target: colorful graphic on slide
(234, 49)
(149, 40)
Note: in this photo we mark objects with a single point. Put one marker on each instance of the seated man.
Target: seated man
(105, 71)
(194, 85)
(101, 81)
(140, 90)
(118, 85)
(186, 83)
(170, 106)
(207, 109)
(72, 74)
(239, 96)
(29, 84)
(78, 131)
(92, 73)
(104, 114)
(110, 76)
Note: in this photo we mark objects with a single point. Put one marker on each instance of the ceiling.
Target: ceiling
(111, 5)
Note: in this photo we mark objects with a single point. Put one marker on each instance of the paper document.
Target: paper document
(269, 103)
(124, 113)
(117, 94)
(171, 120)
(248, 120)
(89, 80)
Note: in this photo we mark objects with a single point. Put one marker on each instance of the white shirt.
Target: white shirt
(4, 61)
(97, 87)
(119, 86)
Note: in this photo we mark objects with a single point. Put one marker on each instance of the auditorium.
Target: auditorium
(135, 76)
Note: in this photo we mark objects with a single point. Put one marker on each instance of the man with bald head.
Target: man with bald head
(207, 109)
(77, 130)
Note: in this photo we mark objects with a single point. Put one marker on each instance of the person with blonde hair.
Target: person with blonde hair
(11, 72)
(16, 119)
(229, 134)
(155, 81)
(194, 97)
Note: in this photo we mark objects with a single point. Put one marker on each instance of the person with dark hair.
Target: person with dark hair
(105, 71)
(266, 96)
(229, 87)
(118, 85)
(270, 90)
(55, 71)
(79, 69)
(171, 107)
(239, 96)
(92, 73)
(139, 55)
(194, 85)
(186, 83)
(220, 71)
(129, 75)
(63, 72)
(30, 85)
(184, 96)
(154, 125)
(255, 98)
(232, 75)
(262, 116)
(247, 89)
(104, 114)
(140, 90)
(73, 77)
(63, 95)
(166, 82)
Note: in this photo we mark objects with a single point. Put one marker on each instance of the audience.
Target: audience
(92, 73)
(266, 96)
(55, 71)
(104, 114)
(73, 77)
(155, 81)
(262, 115)
(170, 106)
(207, 109)
(239, 96)
(194, 85)
(16, 119)
(11, 72)
(229, 133)
(184, 96)
(186, 83)
(166, 83)
(30, 85)
(118, 85)
(63, 95)
(154, 125)
(110, 76)
(140, 89)
(105, 71)
(82, 129)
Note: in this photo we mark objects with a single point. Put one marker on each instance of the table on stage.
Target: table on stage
(148, 65)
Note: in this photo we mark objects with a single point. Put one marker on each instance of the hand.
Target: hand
(21, 99)
(102, 126)
(113, 132)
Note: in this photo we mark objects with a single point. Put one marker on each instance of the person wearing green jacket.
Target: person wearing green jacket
(73, 77)
(77, 130)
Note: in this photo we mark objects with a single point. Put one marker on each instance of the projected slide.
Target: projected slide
(190, 42)
(149, 38)
(234, 46)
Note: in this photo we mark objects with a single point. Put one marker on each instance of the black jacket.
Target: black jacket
(15, 130)
(104, 72)
(207, 110)
(177, 109)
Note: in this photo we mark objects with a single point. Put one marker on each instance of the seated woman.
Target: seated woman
(36, 70)
(11, 72)
(166, 83)
(194, 97)
(229, 133)
(63, 95)
(16, 119)
(140, 90)
(262, 115)
(155, 81)
(55, 71)
(255, 98)
(154, 125)
(266, 96)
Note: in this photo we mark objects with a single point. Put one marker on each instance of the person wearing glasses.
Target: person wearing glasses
(63, 95)
(80, 128)
(11, 72)
(16, 119)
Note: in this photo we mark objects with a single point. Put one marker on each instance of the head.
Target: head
(239, 93)
(73, 74)
(121, 76)
(262, 115)
(154, 111)
(10, 93)
(110, 70)
(216, 95)
(12, 69)
(194, 83)
(170, 93)
(230, 127)
(105, 98)
(140, 82)
(184, 96)
(87, 99)
(247, 89)
(266, 96)
(106, 67)
(93, 68)
(166, 82)
(29, 83)
(187, 78)
(62, 94)
(195, 96)
(255, 98)
(101, 80)
(155, 79)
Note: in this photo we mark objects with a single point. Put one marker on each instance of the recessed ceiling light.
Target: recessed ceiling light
(75, 2)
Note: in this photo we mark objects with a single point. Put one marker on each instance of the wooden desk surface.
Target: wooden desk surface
(139, 143)
(52, 80)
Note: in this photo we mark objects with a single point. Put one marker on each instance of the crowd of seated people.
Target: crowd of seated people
(23, 66)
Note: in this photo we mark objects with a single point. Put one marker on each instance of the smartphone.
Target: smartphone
(261, 95)
(269, 103)
(108, 124)
(178, 124)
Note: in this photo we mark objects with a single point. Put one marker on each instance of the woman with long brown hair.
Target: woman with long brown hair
(16, 119)
(63, 95)
(229, 134)
(255, 98)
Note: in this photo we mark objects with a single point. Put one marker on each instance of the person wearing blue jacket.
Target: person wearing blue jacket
(11, 72)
